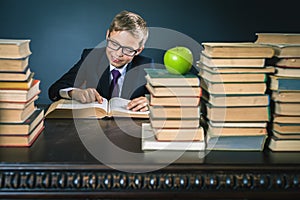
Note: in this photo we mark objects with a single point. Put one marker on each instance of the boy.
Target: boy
(116, 70)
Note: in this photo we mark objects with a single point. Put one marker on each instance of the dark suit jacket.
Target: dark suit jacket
(92, 71)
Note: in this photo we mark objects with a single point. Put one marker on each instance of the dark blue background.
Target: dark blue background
(60, 29)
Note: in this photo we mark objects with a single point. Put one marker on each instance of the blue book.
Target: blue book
(281, 83)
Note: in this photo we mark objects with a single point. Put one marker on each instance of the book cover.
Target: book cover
(281, 83)
(23, 128)
(150, 143)
(237, 50)
(15, 76)
(73, 109)
(10, 48)
(161, 77)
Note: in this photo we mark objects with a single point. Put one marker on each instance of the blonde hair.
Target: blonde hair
(131, 22)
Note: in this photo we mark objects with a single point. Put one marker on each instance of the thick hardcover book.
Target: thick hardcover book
(236, 100)
(282, 83)
(175, 91)
(150, 143)
(174, 101)
(286, 50)
(175, 112)
(286, 119)
(232, 77)
(289, 62)
(10, 48)
(15, 76)
(236, 114)
(278, 38)
(236, 143)
(22, 140)
(237, 50)
(287, 71)
(161, 77)
(233, 88)
(277, 144)
(18, 84)
(20, 95)
(179, 134)
(289, 136)
(290, 96)
(13, 65)
(73, 109)
(286, 128)
(23, 128)
(174, 123)
(232, 62)
(291, 109)
(17, 115)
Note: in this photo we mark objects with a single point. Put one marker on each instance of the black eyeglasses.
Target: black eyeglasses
(128, 51)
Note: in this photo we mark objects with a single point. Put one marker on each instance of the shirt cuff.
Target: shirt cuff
(64, 92)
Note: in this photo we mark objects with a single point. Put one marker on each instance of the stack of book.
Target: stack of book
(285, 87)
(174, 105)
(20, 121)
(235, 103)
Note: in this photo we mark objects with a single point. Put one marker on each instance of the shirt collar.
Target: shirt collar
(121, 70)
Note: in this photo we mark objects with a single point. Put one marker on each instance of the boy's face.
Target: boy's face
(117, 58)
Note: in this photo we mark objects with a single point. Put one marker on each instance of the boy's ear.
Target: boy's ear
(140, 50)
(107, 34)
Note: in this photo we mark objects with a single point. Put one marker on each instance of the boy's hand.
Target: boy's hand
(86, 95)
(138, 104)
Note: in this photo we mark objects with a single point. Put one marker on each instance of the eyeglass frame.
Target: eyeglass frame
(123, 47)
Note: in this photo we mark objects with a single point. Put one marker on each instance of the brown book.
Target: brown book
(15, 76)
(179, 134)
(277, 144)
(22, 140)
(13, 65)
(286, 119)
(287, 71)
(282, 108)
(232, 77)
(289, 62)
(23, 128)
(286, 50)
(278, 38)
(237, 50)
(174, 123)
(236, 114)
(73, 109)
(17, 105)
(174, 101)
(289, 96)
(20, 95)
(16, 115)
(10, 48)
(286, 128)
(175, 112)
(236, 100)
(232, 62)
(288, 136)
(160, 91)
(233, 88)
(261, 70)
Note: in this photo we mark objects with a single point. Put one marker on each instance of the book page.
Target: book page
(119, 105)
(73, 104)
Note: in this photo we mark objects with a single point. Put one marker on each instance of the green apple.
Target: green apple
(178, 60)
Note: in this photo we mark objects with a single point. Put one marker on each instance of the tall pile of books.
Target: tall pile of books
(20, 121)
(285, 87)
(235, 103)
(174, 105)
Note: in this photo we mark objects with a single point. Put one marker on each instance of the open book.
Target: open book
(73, 109)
